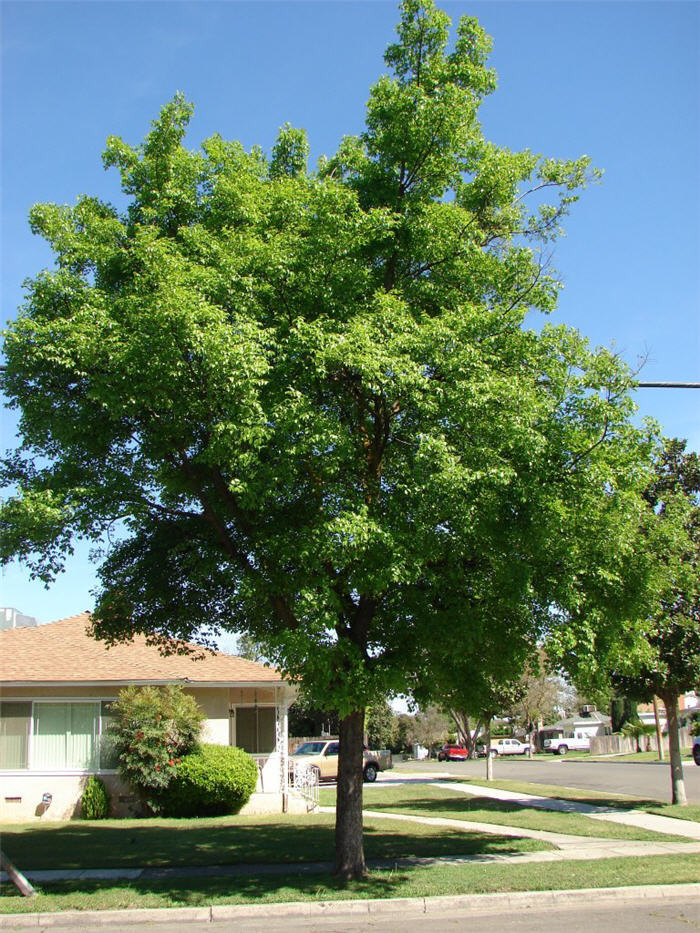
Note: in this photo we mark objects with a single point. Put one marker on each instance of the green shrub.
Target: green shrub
(95, 800)
(152, 729)
(212, 781)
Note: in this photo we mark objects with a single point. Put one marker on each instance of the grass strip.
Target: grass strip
(236, 840)
(414, 882)
(690, 812)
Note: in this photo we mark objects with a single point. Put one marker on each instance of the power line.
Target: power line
(668, 385)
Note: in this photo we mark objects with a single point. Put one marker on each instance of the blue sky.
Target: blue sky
(618, 80)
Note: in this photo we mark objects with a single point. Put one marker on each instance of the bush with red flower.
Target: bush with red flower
(152, 729)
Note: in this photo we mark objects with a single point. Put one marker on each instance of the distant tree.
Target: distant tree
(658, 653)
(623, 710)
(636, 729)
(429, 728)
(539, 697)
(478, 680)
(381, 725)
(402, 741)
(306, 719)
(250, 648)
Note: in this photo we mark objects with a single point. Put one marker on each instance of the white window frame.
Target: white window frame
(12, 772)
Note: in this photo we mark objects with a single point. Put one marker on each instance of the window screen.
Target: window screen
(255, 729)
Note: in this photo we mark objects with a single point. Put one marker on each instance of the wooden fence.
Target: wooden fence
(621, 745)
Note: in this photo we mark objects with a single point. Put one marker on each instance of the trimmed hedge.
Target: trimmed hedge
(212, 781)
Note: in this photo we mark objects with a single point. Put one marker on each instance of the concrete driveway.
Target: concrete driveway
(644, 779)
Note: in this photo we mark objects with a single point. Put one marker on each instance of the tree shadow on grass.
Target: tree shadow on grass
(147, 843)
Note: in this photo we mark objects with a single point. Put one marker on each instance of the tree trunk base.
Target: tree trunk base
(349, 851)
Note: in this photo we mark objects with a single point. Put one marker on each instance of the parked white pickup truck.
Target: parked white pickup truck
(560, 745)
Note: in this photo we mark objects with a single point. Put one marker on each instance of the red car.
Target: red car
(453, 753)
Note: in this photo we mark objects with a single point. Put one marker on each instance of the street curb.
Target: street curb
(479, 903)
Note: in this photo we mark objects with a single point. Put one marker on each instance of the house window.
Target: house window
(66, 736)
(49, 736)
(255, 729)
(15, 724)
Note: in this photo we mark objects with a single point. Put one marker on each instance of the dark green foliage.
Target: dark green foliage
(622, 711)
(95, 799)
(381, 726)
(212, 781)
(305, 719)
(153, 728)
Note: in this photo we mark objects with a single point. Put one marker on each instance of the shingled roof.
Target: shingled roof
(63, 652)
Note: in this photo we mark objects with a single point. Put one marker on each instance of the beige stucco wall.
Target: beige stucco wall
(21, 796)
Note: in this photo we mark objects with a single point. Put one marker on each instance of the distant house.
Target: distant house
(588, 724)
(12, 618)
(688, 709)
(56, 687)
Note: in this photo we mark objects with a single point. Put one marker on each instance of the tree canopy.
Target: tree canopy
(307, 404)
(665, 660)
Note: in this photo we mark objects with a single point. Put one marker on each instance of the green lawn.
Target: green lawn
(232, 841)
(414, 882)
(427, 800)
(690, 812)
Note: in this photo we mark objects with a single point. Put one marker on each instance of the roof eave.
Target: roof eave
(145, 683)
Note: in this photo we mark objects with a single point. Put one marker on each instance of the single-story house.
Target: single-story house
(56, 687)
(587, 725)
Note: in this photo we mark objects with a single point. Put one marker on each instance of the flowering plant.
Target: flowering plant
(152, 728)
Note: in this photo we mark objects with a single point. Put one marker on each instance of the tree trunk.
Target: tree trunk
(674, 749)
(657, 723)
(489, 756)
(349, 851)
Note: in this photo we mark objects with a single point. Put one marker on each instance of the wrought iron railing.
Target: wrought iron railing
(305, 779)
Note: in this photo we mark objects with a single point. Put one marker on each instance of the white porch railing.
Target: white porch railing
(305, 783)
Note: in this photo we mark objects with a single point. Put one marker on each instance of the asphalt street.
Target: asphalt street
(644, 779)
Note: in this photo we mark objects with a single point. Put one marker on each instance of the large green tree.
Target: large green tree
(306, 404)
(665, 661)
